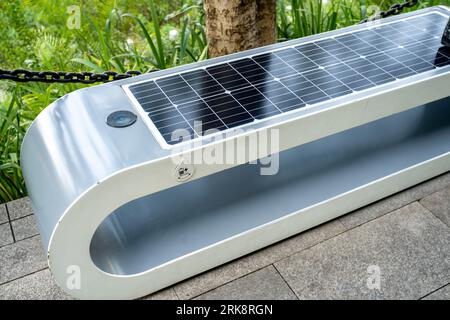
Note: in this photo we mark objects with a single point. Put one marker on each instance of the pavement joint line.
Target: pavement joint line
(434, 216)
(20, 240)
(10, 225)
(22, 217)
(176, 294)
(26, 275)
(442, 287)
(289, 286)
(225, 283)
(370, 220)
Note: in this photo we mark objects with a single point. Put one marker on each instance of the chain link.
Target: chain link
(392, 11)
(21, 75)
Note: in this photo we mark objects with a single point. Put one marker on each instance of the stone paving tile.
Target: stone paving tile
(439, 204)
(5, 234)
(3, 214)
(264, 284)
(36, 286)
(19, 208)
(441, 294)
(25, 227)
(165, 294)
(21, 258)
(262, 258)
(410, 246)
(380, 208)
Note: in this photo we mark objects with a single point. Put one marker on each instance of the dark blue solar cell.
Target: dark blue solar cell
(381, 78)
(150, 104)
(229, 110)
(251, 71)
(229, 78)
(145, 89)
(210, 127)
(201, 118)
(274, 65)
(337, 50)
(255, 102)
(203, 83)
(176, 89)
(324, 59)
(315, 97)
(422, 67)
(401, 72)
(296, 83)
(280, 96)
(358, 83)
(384, 60)
(341, 70)
(201, 114)
(357, 45)
(151, 97)
(337, 91)
(319, 77)
(170, 114)
(296, 60)
(308, 48)
(167, 128)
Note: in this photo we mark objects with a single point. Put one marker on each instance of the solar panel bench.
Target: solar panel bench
(346, 118)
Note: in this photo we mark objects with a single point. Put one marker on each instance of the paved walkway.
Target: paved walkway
(405, 238)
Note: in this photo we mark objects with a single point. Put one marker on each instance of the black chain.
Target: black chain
(392, 11)
(21, 75)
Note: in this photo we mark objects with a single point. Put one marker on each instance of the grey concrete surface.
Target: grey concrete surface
(21, 258)
(19, 208)
(35, 286)
(439, 204)
(25, 227)
(440, 294)
(260, 259)
(264, 284)
(3, 214)
(5, 234)
(409, 249)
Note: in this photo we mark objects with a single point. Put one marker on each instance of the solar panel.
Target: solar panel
(238, 92)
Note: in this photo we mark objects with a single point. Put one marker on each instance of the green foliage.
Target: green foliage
(11, 134)
(299, 18)
(113, 35)
(121, 35)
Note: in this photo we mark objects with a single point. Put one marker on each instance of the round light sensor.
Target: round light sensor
(121, 119)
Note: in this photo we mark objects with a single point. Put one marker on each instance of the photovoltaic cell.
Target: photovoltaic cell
(230, 94)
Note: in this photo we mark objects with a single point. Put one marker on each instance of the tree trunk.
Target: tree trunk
(265, 20)
(236, 25)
